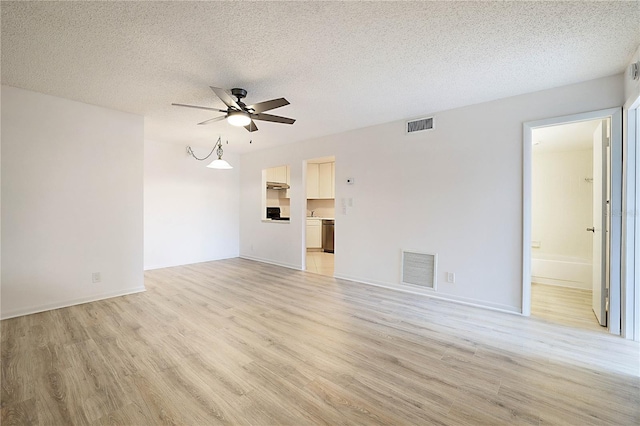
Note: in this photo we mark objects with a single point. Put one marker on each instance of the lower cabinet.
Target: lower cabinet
(314, 233)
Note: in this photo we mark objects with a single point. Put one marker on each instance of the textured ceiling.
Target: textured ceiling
(342, 65)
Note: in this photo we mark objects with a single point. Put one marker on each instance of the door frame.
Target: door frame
(615, 176)
(631, 220)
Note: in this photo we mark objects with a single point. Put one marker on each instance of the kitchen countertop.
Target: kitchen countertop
(289, 221)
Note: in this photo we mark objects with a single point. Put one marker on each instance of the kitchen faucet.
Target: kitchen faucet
(312, 211)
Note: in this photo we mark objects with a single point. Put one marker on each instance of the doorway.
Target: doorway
(567, 178)
(320, 247)
(554, 260)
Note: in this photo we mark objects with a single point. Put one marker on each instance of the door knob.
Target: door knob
(591, 229)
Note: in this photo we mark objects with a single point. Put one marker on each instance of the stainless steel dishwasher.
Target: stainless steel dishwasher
(327, 235)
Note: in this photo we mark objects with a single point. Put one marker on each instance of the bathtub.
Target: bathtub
(563, 271)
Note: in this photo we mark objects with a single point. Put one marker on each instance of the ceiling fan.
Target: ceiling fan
(239, 114)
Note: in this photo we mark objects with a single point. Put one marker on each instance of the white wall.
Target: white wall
(71, 202)
(562, 206)
(190, 211)
(631, 87)
(456, 190)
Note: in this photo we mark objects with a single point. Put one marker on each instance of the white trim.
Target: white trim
(615, 223)
(303, 211)
(628, 221)
(429, 293)
(630, 296)
(527, 154)
(271, 262)
(73, 302)
(558, 283)
(633, 291)
(154, 267)
(528, 127)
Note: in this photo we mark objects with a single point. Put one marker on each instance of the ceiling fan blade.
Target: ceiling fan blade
(268, 105)
(273, 118)
(225, 97)
(251, 127)
(213, 120)
(199, 107)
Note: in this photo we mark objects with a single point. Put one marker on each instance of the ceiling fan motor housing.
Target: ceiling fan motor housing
(238, 93)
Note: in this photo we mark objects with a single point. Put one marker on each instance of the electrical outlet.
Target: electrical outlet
(95, 277)
(451, 277)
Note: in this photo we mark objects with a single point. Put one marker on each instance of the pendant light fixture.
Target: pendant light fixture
(215, 164)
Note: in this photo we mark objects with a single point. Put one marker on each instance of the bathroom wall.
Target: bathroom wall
(562, 203)
(562, 210)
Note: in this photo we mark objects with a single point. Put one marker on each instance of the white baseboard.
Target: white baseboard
(429, 293)
(50, 306)
(171, 265)
(271, 262)
(560, 283)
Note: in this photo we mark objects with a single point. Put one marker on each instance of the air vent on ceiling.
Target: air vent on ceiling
(420, 125)
(419, 269)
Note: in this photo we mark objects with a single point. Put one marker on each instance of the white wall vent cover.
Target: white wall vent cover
(420, 125)
(419, 269)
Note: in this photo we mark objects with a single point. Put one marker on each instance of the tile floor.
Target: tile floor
(320, 262)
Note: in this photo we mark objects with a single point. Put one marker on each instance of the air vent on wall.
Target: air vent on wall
(419, 269)
(420, 125)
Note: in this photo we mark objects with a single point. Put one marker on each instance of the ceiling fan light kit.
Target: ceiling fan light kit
(242, 115)
(238, 118)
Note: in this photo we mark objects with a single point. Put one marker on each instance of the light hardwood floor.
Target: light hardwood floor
(563, 305)
(240, 342)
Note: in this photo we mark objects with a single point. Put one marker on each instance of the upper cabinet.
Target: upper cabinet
(321, 180)
(280, 174)
(312, 180)
(325, 180)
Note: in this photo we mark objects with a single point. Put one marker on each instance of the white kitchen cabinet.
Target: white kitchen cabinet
(312, 180)
(287, 177)
(278, 174)
(325, 180)
(271, 174)
(333, 180)
(314, 233)
(321, 180)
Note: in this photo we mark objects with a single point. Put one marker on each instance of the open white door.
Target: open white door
(599, 222)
